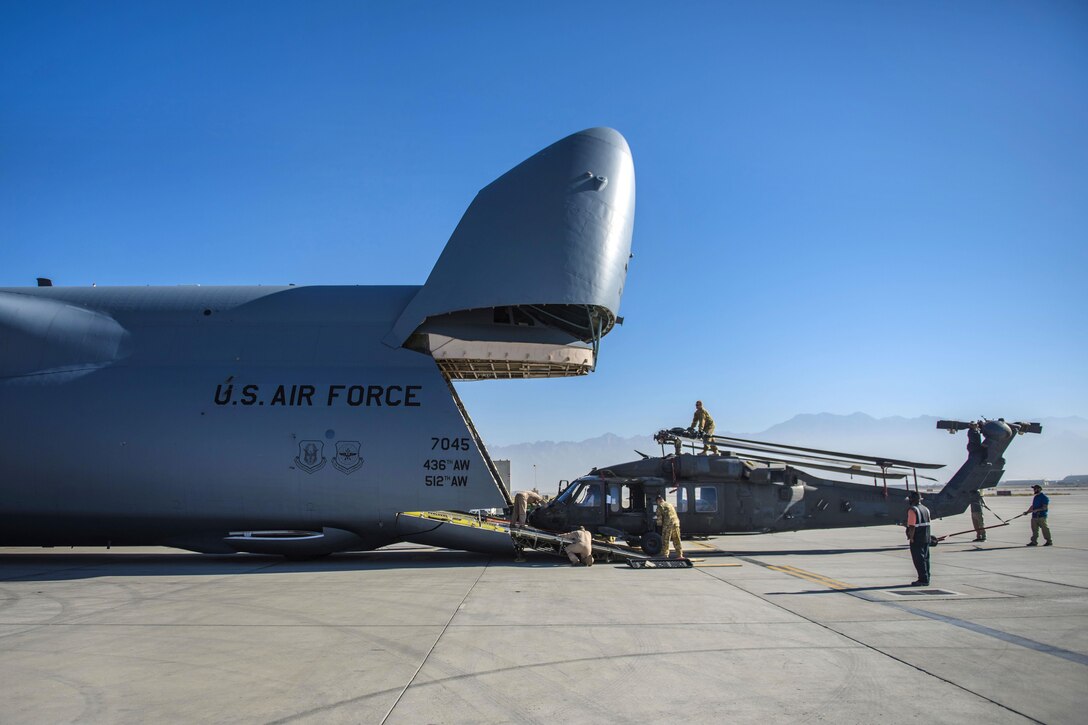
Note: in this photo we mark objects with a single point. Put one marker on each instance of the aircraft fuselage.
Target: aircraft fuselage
(231, 409)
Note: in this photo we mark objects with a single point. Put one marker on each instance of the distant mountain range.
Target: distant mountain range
(1061, 450)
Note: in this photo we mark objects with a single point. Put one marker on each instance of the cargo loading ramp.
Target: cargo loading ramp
(525, 537)
(474, 532)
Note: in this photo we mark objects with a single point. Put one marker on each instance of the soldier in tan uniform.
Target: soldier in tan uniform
(670, 527)
(522, 499)
(581, 547)
(702, 423)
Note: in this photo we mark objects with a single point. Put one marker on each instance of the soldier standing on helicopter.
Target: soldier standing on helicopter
(702, 423)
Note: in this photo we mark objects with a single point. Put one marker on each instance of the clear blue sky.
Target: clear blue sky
(842, 206)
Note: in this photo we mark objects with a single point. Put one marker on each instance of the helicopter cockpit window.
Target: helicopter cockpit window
(588, 495)
(565, 495)
(619, 498)
(706, 499)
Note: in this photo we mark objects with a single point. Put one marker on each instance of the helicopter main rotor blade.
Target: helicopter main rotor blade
(809, 456)
(824, 467)
(878, 460)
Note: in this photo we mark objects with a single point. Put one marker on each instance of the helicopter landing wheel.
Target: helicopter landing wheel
(651, 543)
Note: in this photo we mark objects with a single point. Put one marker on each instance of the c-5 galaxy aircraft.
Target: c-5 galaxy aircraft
(759, 487)
(301, 420)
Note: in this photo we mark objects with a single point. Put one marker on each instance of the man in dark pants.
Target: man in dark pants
(1040, 506)
(918, 536)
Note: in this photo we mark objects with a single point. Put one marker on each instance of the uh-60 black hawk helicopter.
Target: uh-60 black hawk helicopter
(759, 487)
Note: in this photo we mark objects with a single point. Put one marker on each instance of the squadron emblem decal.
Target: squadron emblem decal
(347, 458)
(311, 456)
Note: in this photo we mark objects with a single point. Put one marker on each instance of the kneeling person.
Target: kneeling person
(581, 547)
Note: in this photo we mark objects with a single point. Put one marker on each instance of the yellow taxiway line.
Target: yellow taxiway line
(809, 576)
(711, 547)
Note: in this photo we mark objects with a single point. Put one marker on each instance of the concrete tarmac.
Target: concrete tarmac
(802, 627)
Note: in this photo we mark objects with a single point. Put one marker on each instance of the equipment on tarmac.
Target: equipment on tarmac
(683, 563)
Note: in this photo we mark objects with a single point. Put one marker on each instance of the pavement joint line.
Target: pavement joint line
(997, 594)
(1042, 647)
(334, 705)
(1015, 576)
(437, 639)
(877, 649)
(640, 655)
(1032, 644)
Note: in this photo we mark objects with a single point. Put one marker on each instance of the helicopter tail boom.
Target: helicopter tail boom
(987, 441)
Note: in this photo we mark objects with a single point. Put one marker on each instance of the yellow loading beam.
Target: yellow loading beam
(526, 537)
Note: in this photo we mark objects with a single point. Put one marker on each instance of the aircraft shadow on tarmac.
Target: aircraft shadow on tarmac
(807, 552)
(67, 567)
